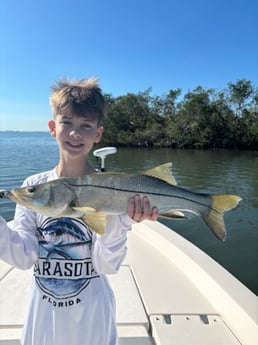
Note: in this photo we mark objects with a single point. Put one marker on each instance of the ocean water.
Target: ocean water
(219, 172)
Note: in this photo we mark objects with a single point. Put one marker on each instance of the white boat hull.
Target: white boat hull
(168, 292)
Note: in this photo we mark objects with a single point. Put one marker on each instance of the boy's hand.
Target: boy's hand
(139, 209)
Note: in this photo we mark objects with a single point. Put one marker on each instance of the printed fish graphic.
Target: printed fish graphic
(92, 197)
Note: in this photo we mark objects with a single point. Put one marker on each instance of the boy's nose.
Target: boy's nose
(75, 133)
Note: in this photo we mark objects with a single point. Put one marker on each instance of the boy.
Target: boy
(71, 300)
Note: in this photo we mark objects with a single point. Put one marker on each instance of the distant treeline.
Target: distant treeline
(202, 118)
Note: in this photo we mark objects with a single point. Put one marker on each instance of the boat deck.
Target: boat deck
(132, 319)
(166, 292)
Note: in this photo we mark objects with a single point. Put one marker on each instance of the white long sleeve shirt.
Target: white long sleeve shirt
(71, 301)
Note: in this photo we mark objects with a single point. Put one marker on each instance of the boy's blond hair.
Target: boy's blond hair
(78, 98)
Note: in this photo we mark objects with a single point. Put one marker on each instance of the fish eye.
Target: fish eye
(31, 189)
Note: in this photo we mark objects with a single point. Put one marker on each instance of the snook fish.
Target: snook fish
(92, 197)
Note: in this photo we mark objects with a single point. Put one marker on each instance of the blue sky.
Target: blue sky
(130, 45)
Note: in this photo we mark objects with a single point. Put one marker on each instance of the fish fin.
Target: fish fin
(96, 221)
(162, 172)
(220, 204)
(173, 214)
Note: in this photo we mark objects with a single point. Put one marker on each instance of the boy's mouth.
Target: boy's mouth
(75, 145)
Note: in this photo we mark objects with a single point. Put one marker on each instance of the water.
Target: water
(226, 172)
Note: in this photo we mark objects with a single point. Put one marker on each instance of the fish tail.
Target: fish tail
(220, 204)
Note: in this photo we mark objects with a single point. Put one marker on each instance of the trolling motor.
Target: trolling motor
(102, 153)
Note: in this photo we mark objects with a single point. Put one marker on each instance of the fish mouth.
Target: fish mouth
(20, 198)
(10, 195)
(4, 194)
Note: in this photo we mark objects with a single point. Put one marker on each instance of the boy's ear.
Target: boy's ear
(52, 128)
(99, 134)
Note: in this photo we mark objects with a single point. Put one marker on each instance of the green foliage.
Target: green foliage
(203, 118)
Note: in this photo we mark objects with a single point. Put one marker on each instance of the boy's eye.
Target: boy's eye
(86, 125)
(65, 123)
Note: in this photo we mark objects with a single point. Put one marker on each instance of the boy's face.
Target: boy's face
(75, 135)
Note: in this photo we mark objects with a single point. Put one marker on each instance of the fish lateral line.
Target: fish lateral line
(131, 191)
(117, 189)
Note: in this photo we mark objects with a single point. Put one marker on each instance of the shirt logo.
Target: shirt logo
(64, 267)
